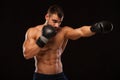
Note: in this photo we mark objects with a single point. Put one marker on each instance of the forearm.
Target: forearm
(32, 51)
(85, 31)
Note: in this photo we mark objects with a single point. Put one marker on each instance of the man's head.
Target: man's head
(54, 16)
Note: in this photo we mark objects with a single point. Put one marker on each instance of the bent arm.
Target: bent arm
(30, 49)
(74, 34)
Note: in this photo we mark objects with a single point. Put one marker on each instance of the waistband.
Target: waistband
(38, 75)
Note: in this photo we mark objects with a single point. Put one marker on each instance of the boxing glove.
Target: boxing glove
(47, 32)
(102, 27)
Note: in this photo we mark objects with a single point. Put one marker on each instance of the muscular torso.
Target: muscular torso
(48, 60)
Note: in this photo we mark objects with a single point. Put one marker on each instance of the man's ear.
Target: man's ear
(47, 16)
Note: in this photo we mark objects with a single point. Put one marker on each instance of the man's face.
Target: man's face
(54, 20)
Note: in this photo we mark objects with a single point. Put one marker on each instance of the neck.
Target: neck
(46, 22)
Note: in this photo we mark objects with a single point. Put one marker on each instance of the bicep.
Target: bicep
(73, 34)
(28, 43)
(29, 40)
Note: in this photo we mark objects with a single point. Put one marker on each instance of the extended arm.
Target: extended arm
(87, 31)
(74, 34)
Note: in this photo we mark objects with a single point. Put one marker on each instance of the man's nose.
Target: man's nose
(56, 24)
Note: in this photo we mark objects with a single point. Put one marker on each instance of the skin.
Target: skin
(48, 58)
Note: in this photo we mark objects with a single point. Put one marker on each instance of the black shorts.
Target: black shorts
(59, 76)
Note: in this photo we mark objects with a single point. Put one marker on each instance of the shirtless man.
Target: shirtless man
(46, 43)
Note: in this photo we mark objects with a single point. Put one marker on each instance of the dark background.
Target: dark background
(93, 58)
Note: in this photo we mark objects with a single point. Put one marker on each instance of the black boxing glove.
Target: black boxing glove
(102, 27)
(47, 32)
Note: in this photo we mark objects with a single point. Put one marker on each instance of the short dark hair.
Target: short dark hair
(56, 9)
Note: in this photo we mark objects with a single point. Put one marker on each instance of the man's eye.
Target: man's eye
(55, 21)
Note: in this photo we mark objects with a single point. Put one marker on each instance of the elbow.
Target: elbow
(26, 56)
(74, 38)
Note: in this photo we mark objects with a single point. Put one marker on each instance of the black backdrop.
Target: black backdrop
(93, 58)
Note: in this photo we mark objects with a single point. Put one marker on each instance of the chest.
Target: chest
(56, 41)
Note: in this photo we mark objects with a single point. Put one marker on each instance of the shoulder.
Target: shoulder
(34, 29)
(66, 28)
(30, 30)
